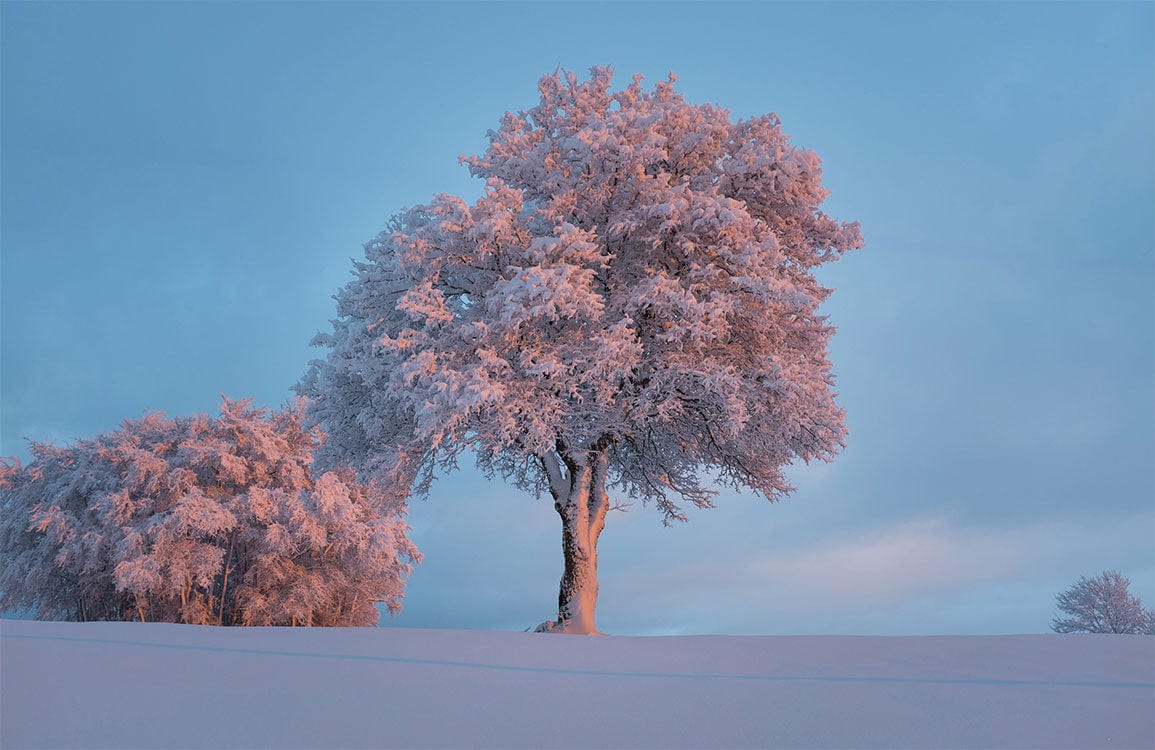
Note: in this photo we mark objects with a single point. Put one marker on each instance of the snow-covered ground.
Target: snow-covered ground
(128, 685)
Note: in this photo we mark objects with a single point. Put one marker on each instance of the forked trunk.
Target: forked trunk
(583, 516)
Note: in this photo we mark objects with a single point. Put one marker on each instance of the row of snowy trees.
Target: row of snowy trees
(201, 520)
(631, 306)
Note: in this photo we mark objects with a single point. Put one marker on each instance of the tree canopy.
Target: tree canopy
(638, 273)
(1102, 604)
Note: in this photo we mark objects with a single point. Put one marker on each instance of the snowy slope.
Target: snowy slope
(162, 686)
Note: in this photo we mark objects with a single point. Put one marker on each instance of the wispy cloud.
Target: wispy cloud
(845, 582)
(890, 564)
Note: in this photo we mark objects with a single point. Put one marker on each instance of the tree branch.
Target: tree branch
(557, 483)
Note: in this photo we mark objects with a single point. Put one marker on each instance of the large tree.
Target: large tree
(630, 305)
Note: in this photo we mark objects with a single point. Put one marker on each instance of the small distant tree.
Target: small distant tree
(1102, 604)
(631, 305)
(201, 520)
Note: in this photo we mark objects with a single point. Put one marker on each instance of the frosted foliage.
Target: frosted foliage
(1102, 604)
(200, 520)
(631, 304)
(637, 279)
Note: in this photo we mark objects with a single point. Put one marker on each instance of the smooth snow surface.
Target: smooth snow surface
(129, 685)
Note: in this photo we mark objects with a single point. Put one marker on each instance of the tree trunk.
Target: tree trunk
(225, 580)
(581, 502)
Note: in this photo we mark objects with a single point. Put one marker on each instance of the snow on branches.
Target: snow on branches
(202, 520)
(630, 304)
(637, 276)
(1102, 604)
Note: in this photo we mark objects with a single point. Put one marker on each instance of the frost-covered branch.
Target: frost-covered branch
(557, 483)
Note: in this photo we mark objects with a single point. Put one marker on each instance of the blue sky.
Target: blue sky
(184, 185)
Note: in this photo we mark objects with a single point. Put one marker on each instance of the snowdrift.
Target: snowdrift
(130, 685)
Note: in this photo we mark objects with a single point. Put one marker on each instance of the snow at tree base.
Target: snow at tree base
(133, 685)
(630, 307)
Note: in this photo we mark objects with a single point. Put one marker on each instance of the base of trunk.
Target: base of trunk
(566, 627)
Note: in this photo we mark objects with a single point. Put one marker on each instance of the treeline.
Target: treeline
(201, 520)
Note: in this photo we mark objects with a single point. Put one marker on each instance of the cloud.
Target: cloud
(893, 563)
(934, 574)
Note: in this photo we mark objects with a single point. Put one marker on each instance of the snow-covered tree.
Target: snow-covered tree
(631, 305)
(1102, 604)
(200, 520)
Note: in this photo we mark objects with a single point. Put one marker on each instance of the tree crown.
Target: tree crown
(1102, 604)
(637, 278)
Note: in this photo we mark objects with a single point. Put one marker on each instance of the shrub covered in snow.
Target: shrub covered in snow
(201, 520)
(1102, 604)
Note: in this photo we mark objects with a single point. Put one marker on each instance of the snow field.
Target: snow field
(129, 685)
